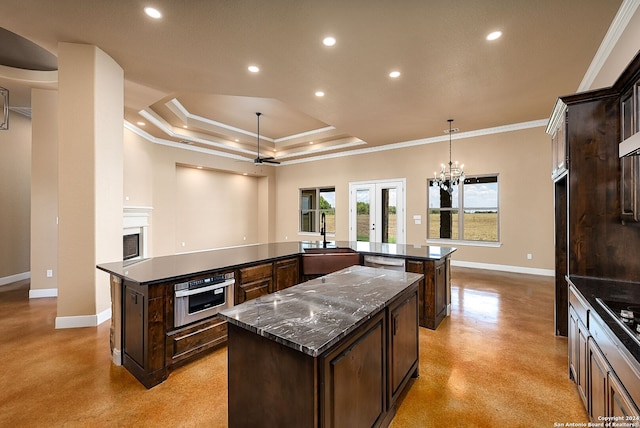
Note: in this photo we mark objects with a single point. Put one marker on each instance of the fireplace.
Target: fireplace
(130, 246)
(135, 232)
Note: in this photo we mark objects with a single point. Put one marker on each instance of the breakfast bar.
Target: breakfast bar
(159, 322)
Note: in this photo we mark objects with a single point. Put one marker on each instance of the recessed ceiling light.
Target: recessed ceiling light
(319, 94)
(141, 123)
(152, 12)
(310, 142)
(185, 126)
(253, 68)
(236, 140)
(329, 41)
(394, 74)
(199, 167)
(244, 173)
(494, 35)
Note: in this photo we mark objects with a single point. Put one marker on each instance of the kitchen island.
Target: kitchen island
(148, 342)
(333, 351)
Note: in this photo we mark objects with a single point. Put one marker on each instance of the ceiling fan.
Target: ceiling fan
(269, 159)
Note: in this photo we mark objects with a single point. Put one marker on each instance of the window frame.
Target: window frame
(316, 212)
(460, 208)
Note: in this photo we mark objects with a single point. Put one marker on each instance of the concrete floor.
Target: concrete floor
(494, 362)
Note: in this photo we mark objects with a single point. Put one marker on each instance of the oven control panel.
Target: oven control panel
(203, 282)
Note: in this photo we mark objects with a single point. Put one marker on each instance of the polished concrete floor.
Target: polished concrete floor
(494, 362)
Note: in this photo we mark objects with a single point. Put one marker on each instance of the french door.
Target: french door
(376, 211)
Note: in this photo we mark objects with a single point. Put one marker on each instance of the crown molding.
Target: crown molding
(402, 145)
(617, 27)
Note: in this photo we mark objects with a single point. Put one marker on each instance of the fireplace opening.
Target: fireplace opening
(130, 246)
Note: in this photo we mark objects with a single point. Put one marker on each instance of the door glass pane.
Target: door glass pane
(363, 215)
(389, 217)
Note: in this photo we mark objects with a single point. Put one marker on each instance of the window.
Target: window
(470, 213)
(315, 202)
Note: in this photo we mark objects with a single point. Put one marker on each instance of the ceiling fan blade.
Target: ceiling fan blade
(269, 160)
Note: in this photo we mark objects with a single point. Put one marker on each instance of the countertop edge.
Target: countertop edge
(116, 268)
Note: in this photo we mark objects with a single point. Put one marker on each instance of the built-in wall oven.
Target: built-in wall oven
(202, 298)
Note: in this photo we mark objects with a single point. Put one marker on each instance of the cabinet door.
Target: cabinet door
(581, 368)
(619, 402)
(287, 273)
(630, 188)
(134, 325)
(440, 300)
(574, 345)
(598, 373)
(354, 381)
(403, 340)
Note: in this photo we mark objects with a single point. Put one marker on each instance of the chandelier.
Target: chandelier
(452, 176)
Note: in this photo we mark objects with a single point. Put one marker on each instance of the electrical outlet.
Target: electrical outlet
(49, 273)
(529, 256)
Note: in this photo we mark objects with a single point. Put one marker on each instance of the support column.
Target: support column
(90, 180)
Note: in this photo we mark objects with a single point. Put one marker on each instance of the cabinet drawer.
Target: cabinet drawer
(254, 273)
(187, 342)
(579, 305)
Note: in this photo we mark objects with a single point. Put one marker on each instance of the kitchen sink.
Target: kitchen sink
(330, 250)
(321, 261)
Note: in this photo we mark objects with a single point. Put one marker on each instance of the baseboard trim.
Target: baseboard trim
(83, 320)
(15, 278)
(116, 357)
(504, 268)
(43, 292)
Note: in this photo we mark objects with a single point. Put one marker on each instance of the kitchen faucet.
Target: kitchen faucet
(323, 230)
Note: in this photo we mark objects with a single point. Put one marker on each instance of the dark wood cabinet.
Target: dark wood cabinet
(134, 303)
(434, 289)
(578, 352)
(630, 189)
(403, 339)
(578, 344)
(286, 273)
(597, 364)
(629, 165)
(254, 281)
(597, 194)
(143, 332)
(354, 379)
(598, 383)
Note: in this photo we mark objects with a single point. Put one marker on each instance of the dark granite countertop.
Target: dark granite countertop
(313, 316)
(606, 289)
(179, 266)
